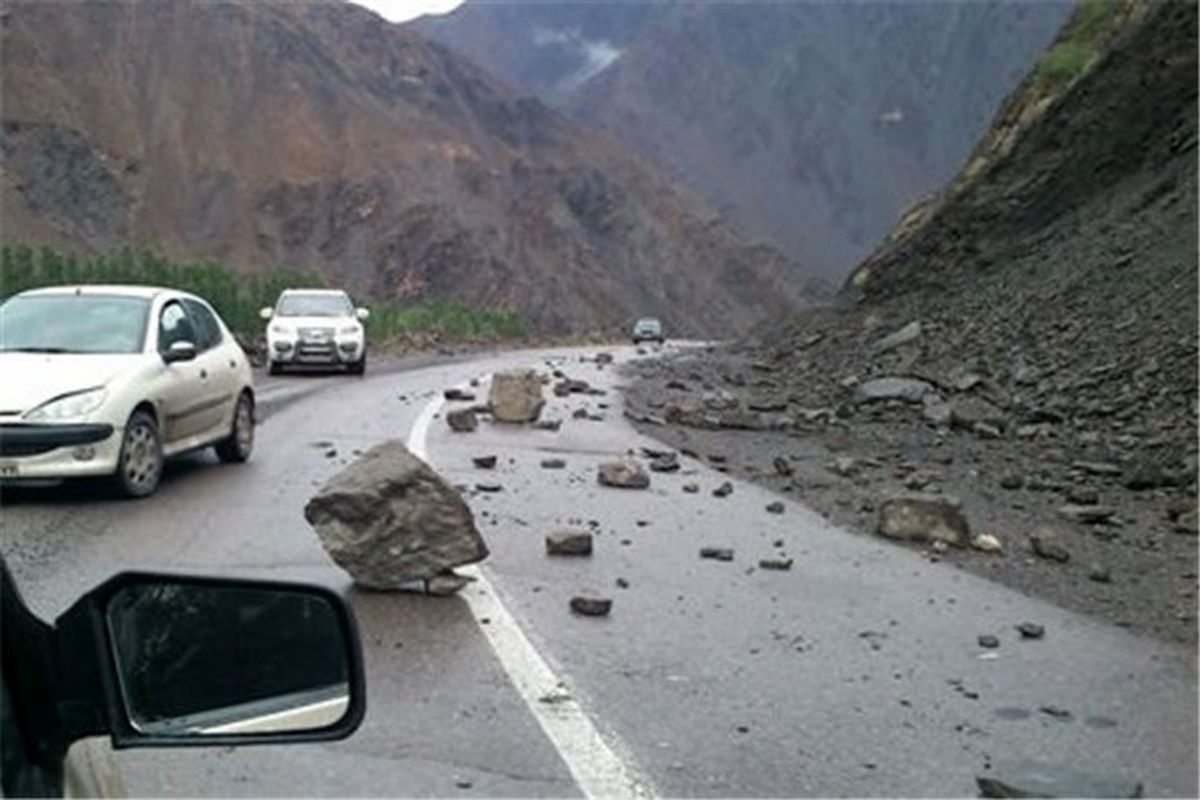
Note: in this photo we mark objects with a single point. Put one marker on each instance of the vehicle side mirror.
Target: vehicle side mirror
(266, 312)
(180, 351)
(362, 314)
(188, 661)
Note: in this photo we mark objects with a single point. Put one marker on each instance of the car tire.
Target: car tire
(140, 463)
(274, 368)
(359, 367)
(236, 448)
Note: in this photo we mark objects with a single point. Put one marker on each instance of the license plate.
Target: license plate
(9, 470)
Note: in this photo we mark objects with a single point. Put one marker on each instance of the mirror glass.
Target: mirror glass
(196, 659)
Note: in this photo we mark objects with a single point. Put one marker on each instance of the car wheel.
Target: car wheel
(140, 464)
(273, 368)
(360, 366)
(237, 446)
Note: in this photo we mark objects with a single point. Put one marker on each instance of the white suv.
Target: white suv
(315, 326)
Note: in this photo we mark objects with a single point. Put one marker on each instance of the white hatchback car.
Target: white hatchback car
(317, 327)
(112, 380)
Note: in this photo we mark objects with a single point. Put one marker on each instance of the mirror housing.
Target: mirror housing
(362, 314)
(179, 351)
(266, 312)
(179, 661)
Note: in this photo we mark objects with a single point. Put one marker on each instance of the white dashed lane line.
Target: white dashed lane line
(594, 761)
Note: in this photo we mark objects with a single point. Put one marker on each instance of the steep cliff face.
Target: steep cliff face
(320, 136)
(812, 124)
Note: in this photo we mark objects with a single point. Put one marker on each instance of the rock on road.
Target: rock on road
(856, 671)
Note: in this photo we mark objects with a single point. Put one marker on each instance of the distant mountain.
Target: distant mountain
(318, 135)
(814, 125)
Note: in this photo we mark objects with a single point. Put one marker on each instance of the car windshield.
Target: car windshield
(314, 305)
(73, 323)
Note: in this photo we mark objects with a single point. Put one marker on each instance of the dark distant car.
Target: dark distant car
(648, 329)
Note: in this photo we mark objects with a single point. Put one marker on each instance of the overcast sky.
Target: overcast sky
(403, 10)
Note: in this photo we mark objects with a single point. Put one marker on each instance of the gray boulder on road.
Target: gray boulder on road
(516, 396)
(462, 420)
(623, 475)
(388, 519)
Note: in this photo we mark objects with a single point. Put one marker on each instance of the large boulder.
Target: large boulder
(516, 396)
(388, 520)
(923, 518)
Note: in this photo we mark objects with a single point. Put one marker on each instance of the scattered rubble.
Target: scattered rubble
(484, 462)
(623, 475)
(717, 553)
(591, 606)
(569, 543)
(462, 420)
(923, 518)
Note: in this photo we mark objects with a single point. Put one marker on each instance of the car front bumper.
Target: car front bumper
(291, 351)
(58, 451)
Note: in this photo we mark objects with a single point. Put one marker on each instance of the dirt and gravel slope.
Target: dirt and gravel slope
(1027, 342)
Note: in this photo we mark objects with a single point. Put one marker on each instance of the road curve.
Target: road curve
(855, 672)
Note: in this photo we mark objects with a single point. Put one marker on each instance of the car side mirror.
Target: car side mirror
(266, 312)
(180, 351)
(362, 314)
(189, 661)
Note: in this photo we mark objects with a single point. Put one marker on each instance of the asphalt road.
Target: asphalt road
(856, 672)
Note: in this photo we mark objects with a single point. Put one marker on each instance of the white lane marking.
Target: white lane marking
(594, 763)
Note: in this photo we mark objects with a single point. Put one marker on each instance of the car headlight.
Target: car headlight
(353, 330)
(70, 406)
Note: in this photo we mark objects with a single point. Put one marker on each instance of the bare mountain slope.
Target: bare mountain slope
(320, 136)
(812, 124)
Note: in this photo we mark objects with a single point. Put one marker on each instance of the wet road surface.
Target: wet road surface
(855, 672)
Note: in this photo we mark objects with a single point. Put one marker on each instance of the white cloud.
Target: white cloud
(404, 10)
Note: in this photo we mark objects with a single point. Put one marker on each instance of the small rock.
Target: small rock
(331, 453)
(781, 564)
(1099, 573)
(1083, 496)
(445, 583)
(622, 583)
(462, 420)
(782, 466)
(988, 641)
(1048, 543)
(463, 784)
(935, 410)
(664, 462)
(591, 606)
(921, 518)
(909, 333)
(569, 543)
(724, 490)
(489, 488)
(775, 507)
(1039, 779)
(970, 413)
(844, 466)
(909, 390)
(603, 358)
(1031, 630)
(717, 553)
(623, 475)
(548, 425)
(1187, 523)
(1011, 480)
(484, 462)
(1056, 712)
(553, 463)
(691, 488)
(987, 543)
(1101, 468)
(458, 395)
(1088, 515)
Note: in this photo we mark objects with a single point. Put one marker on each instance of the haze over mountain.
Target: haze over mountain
(814, 125)
(321, 136)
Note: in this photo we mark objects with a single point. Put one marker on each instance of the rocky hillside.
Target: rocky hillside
(812, 124)
(1025, 342)
(320, 136)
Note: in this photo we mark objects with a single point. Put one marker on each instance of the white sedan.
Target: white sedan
(315, 327)
(112, 380)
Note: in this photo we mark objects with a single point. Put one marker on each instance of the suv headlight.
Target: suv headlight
(68, 407)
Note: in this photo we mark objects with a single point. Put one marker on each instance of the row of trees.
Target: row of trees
(239, 297)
